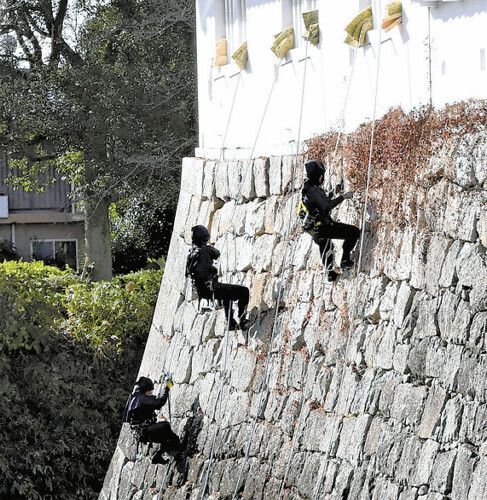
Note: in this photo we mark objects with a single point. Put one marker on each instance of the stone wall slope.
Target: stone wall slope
(376, 385)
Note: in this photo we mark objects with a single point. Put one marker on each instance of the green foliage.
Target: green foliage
(31, 295)
(70, 351)
(105, 314)
(111, 106)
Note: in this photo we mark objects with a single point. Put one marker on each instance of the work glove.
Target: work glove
(348, 195)
(169, 383)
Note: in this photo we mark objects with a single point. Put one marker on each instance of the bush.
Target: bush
(31, 297)
(108, 314)
(70, 354)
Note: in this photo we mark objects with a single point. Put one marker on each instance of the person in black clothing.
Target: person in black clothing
(140, 412)
(199, 266)
(319, 205)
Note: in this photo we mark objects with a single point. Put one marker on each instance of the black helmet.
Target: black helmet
(314, 170)
(200, 235)
(144, 384)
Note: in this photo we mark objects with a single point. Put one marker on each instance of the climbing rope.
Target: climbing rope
(219, 402)
(224, 139)
(280, 288)
(345, 102)
(317, 490)
(220, 394)
(326, 252)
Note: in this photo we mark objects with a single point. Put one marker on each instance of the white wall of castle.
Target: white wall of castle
(437, 56)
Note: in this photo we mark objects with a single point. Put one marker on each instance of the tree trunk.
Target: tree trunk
(97, 240)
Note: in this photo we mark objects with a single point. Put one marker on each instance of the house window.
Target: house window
(56, 252)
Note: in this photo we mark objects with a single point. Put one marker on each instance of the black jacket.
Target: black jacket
(141, 408)
(318, 203)
(199, 264)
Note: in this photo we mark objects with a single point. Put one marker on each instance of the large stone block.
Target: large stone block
(209, 180)
(472, 275)
(454, 318)
(221, 185)
(425, 463)
(451, 419)
(275, 174)
(263, 252)
(261, 177)
(478, 486)
(352, 438)
(248, 181)
(404, 300)
(482, 225)
(436, 254)
(426, 323)
(408, 404)
(461, 214)
(409, 459)
(462, 472)
(242, 364)
(433, 409)
(234, 170)
(255, 218)
(388, 302)
(442, 474)
(471, 160)
(192, 176)
(478, 333)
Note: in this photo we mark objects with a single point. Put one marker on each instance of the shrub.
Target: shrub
(107, 315)
(70, 354)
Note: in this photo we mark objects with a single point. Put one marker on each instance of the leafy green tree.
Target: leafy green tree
(106, 91)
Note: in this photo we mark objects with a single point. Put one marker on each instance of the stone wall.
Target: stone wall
(376, 385)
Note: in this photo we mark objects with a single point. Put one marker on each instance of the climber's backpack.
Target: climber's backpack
(201, 275)
(309, 223)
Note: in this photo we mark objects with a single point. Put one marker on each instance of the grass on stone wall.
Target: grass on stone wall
(403, 146)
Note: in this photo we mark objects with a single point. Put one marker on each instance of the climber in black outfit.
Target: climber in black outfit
(319, 205)
(199, 265)
(140, 412)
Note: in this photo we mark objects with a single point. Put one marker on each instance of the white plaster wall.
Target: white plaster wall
(453, 33)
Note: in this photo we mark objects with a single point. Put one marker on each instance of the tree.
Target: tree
(106, 91)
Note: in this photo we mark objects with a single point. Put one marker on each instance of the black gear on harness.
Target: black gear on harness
(207, 282)
(309, 222)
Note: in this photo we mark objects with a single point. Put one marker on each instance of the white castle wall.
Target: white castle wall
(437, 56)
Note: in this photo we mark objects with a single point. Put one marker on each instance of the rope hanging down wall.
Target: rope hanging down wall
(239, 195)
(311, 356)
(280, 288)
(322, 472)
(168, 366)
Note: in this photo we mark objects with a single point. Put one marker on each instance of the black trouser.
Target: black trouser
(161, 432)
(232, 293)
(336, 231)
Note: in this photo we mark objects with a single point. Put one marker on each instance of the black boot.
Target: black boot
(245, 324)
(232, 324)
(158, 458)
(347, 263)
